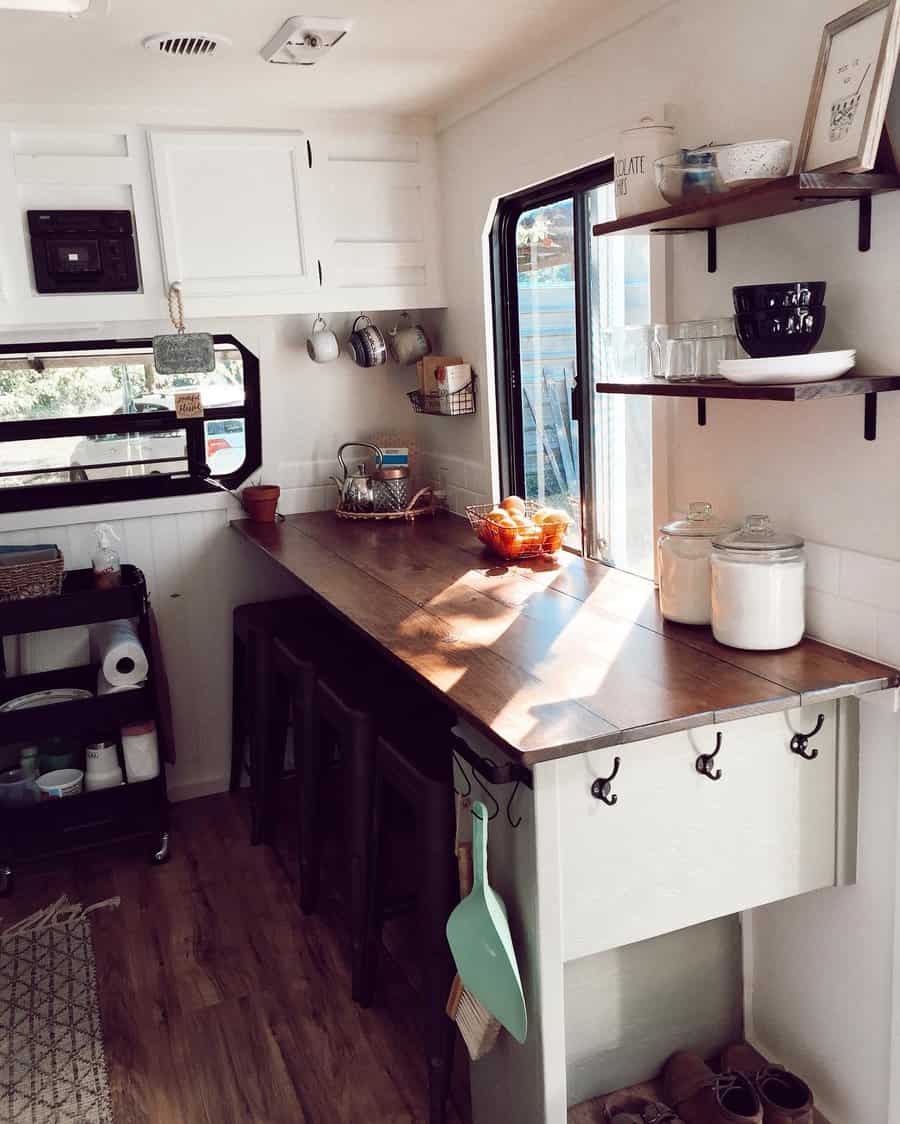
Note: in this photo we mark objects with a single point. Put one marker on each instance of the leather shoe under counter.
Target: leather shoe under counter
(785, 1098)
(703, 1097)
(626, 1108)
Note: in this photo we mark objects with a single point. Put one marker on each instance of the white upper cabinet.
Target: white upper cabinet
(236, 213)
(251, 223)
(382, 221)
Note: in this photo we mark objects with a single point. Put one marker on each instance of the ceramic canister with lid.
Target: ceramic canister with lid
(685, 546)
(638, 148)
(758, 587)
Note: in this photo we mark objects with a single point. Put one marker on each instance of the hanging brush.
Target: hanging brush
(478, 1027)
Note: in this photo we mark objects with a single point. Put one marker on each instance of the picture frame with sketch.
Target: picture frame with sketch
(851, 88)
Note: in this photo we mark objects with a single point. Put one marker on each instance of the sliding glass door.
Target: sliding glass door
(557, 289)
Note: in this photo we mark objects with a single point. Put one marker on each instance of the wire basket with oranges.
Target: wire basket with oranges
(518, 528)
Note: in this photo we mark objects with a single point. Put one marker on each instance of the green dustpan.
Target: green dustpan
(479, 938)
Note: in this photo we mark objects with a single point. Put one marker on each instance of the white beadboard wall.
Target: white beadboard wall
(197, 570)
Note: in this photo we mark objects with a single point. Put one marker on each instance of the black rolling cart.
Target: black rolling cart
(55, 827)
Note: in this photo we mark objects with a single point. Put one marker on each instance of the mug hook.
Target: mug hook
(320, 319)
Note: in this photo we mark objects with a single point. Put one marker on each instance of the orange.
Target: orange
(515, 505)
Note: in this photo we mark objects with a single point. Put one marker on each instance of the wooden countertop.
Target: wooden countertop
(548, 657)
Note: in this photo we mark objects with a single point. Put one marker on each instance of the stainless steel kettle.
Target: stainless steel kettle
(356, 487)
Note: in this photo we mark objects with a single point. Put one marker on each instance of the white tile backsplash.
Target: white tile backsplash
(853, 601)
(870, 580)
(887, 637)
(822, 567)
(835, 620)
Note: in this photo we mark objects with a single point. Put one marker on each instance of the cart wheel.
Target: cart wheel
(161, 854)
(6, 881)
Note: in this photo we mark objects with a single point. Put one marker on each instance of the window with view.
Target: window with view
(557, 290)
(95, 421)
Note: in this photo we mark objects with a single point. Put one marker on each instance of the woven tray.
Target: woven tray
(32, 579)
(415, 509)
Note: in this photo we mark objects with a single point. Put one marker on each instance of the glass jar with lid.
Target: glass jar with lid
(684, 547)
(758, 578)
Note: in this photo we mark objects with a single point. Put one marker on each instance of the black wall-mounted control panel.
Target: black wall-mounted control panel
(83, 251)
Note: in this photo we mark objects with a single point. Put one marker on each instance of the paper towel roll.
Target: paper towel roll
(104, 687)
(118, 651)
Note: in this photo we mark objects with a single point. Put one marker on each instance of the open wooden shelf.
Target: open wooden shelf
(591, 1112)
(757, 201)
(701, 389)
(721, 388)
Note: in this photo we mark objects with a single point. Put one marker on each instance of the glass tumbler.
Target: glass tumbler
(626, 352)
(698, 358)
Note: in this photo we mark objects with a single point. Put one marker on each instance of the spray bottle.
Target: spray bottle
(106, 560)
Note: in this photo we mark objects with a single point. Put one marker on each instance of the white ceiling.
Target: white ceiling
(403, 56)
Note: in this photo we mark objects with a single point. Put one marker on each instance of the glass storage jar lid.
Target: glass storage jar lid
(700, 523)
(757, 536)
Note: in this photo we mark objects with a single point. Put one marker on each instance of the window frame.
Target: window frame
(576, 185)
(198, 479)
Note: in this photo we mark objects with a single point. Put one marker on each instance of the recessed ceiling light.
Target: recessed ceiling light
(60, 7)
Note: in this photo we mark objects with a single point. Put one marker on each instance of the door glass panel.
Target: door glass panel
(622, 423)
(545, 256)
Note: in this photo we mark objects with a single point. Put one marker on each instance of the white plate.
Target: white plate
(44, 698)
(816, 367)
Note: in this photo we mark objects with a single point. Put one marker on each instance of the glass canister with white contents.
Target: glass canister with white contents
(758, 577)
(684, 547)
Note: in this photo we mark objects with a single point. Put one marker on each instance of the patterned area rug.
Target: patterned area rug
(52, 1065)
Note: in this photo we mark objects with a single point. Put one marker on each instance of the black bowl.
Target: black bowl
(786, 331)
(783, 294)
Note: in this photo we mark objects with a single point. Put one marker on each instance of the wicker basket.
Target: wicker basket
(514, 542)
(32, 579)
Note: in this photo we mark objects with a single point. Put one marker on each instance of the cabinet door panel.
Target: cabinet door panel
(235, 212)
(380, 212)
(678, 848)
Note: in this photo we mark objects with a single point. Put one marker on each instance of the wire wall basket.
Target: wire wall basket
(461, 401)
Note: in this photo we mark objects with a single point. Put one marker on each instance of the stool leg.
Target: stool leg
(309, 767)
(438, 897)
(260, 735)
(279, 713)
(238, 716)
(364, 982)
(359, 774)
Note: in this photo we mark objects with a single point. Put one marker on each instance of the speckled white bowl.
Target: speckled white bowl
(754, 160)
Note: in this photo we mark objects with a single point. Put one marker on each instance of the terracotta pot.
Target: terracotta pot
(260, 502)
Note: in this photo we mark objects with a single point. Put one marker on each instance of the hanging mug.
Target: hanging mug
(322, 343)
(408, 342)
(366, 343)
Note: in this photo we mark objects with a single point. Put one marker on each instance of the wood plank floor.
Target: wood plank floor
(221, 1002)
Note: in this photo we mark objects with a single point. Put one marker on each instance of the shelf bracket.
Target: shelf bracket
(870, 426)
(711, 245)
(701, 411)
(865, 223)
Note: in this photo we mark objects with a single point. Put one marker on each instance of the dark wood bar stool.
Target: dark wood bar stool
(416, 764)
(255, 629)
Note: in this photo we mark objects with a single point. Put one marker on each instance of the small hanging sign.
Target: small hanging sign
(188, 404)
(184, 352)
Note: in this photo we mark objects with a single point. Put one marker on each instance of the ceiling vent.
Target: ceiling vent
(186, 44)
(304, 40)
